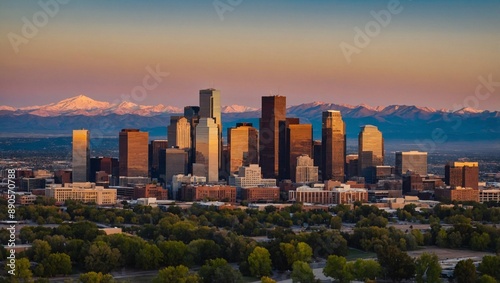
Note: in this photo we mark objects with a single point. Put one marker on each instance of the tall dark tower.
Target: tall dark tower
(191, 113)
(210, 108)
(333, 146)
(133, 153)
(273, 111)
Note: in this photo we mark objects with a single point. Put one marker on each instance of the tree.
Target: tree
(428, 268)
(93, 277)
(336, 222)
(101, 258)
(465, 271)
(480, 242)
(366, 269)
(177, 274)
(303, 251)
(57, 263)
(260, 262)
(40, 250)
(218, 270)
(485, 278)
(397, 265)
(149, 257)
(337, 268)
(301, 272)
(266, 279)
(22, 271)
(202, 249)
(490, 265)
(174, 252)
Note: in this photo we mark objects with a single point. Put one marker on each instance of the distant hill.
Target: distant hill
(106, 119)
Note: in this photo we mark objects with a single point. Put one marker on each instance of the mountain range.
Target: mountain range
(106, 119)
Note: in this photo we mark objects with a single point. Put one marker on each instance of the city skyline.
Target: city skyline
(429, 53)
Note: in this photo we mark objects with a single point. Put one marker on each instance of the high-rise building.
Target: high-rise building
(414, 161)
(462, 174)
(207, 150)
(210, 108)
(333, 146)
(317, 153)
(299, 143)
(370, 152)
(133, 153)
(175, 163)
(351, 165)
(81, 155)
(243, 146)
(273, 111)
(108, 165)
(179, 132)
(192, 115)
(305, 171)
(284, 148)
(155, 146)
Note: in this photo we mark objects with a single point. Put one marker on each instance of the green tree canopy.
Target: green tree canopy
(93, 277)
(428, 268)
(177, 274)
(218, 270)
(259, 262)
(490, 265)
(465, 271)
(397, 265)
(337, 268)
(101, 257)
(301, 272)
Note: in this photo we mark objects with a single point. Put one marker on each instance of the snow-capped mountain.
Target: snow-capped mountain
(237, 109)
(395, 121)
(86, 106)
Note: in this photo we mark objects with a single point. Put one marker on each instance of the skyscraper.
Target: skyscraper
(175, 163)
(133, 153)
(273, 111)
(81, 155)
(305, 171)
(462, 174)
(414, 161)
(210, 108)
(299, 143)
(333, 146)
(192, 115)
(154, 156)
(243, 144)
(207, 150)
(370, 151)
(179, 132)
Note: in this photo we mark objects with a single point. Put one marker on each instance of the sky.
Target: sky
(426, 53)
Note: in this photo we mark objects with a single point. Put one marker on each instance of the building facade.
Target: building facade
(370, 151)
(133, 153)
(207, 150)
(209, 193)
(81, 155)
(333, 146)
(414, 161)
(243, 146)
(273, 111)
(261, 194)
(84, 192)
(305, 171)
(179, 132)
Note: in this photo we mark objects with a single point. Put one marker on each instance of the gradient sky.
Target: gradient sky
(430, 54)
